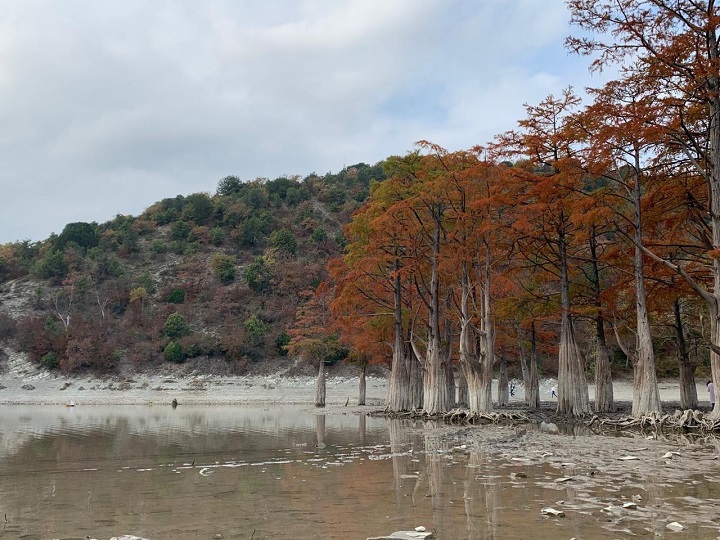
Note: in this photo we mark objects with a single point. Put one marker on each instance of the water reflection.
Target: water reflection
(241, 472)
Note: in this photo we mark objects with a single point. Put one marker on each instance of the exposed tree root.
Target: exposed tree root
(462, 416)
(688, 420)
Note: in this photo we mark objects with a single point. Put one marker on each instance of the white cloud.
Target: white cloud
(108, 107)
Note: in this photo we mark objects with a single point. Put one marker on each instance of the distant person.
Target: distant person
(711, 391)
(553, 392)
(512, 389)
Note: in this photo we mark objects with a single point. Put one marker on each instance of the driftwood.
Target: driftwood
(687, 420)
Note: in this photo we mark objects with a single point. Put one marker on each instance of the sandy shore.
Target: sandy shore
(39, 387)
(150, 390)
(21, 382)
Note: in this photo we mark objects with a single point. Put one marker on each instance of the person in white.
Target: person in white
(711, 391)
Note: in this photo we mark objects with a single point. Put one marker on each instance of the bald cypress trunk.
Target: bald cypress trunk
(475, 344)
(713, 299)
(573, 397)
(462, 388)
(436, 398)
(525, 368)
(320, 386)
(362, 385)
(532, 391)
(604, 399)
(416, 380)
(688, 388)
(398, 398)
(646, 394)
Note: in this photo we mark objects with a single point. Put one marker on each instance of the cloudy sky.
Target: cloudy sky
(107, 107)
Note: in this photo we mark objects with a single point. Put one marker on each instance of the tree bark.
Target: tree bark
(362, 385)
(646, 394)
(416, 380)
(475, 347)
(713, 300)
(436, 399)
(447, 339)
(532, 390)
(462, 388)
(573, 397)
(714, 357)
(604, 399)
(320, 385)
(688, 389)
(399, 391)
(451, 386)
(435, 390)
(525, 368)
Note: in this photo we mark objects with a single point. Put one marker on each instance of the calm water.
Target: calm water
(243, 472)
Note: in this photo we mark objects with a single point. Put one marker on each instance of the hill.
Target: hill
(211, 280)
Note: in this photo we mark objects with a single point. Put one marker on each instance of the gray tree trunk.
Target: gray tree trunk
(604, 399)
(573, 398)
(525, 368)
(475, 347)
(532, 390)
(320, 386)
(688, 388)
(416, 380)
(646, 394)
(462, 388)
(399, 391)
(362, 385)
(436, 399)
(713, 299)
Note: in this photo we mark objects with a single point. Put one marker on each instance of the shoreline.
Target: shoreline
(44, 388)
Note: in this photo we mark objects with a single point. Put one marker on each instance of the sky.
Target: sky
(107, 107)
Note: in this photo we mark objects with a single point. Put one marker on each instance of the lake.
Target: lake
(287, 472)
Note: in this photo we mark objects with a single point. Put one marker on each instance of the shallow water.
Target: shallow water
(286, 472)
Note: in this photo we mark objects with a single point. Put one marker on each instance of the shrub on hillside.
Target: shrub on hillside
(175, 296)
(50, 360)
(284, 241)
(257, 274)
(223, 267)
(255, 330)
(173, 352)
(281, 343)
(175, 326)
(180, 231)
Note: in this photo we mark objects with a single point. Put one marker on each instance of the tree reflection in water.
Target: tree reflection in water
(320, 430)
(478, 486)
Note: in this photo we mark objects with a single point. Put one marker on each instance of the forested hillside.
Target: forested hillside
(194, 276)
